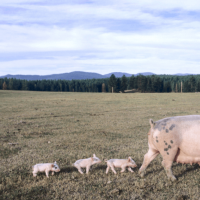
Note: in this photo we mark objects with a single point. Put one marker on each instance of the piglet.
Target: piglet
(121, 163)
(86, 163)
(45, 167)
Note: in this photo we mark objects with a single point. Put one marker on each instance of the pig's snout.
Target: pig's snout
(134, 165)
(56, 170)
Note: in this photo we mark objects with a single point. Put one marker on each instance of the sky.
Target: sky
(42, 37)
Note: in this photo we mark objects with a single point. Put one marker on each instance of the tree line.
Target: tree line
(153, 83)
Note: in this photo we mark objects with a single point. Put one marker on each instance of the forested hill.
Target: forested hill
(140, 83)
(77, 75)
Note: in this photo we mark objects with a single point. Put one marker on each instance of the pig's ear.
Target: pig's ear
(55, 162)
(94, 155)
(151, 123)
(129, 159)
(52, 165)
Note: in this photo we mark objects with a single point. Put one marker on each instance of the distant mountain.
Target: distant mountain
(79, 75)
(145, 74)
(66, 76)
(118, 74)
(179, 74)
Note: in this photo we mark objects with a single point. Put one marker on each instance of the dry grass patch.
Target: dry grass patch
(65, 127)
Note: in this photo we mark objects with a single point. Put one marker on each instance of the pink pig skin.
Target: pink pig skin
(121, 163)
(177, 139)
(86, 163)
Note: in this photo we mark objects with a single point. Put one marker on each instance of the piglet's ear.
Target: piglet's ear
(94, 155)
(52, 165)
(55, 162)
(129, 159)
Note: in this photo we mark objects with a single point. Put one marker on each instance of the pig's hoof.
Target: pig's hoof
(172, 178)
(142, 174)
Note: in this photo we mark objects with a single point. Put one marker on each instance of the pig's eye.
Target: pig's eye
(55, 167)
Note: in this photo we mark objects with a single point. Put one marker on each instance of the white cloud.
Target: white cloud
(172, 43)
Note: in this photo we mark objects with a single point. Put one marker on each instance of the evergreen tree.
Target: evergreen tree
(148, 88)
(142, 83)
(193, 84)
(10, 84)
(112, 82)
(118, 85)
(167, 87)
(198, 85)
(186, 86)
(1, 83)
(132, 82)
(123, 83)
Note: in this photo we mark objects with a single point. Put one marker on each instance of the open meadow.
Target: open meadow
(65, 127)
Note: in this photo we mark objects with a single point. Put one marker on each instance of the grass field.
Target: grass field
(65, 127)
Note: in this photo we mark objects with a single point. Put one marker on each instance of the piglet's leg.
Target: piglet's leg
(87, 169)
(129, 169)
(47, 173)
(149, 156)
(34, 174)
(113, 169)
(123, 168)
(107, 169)
(52, 173)
(80, 170)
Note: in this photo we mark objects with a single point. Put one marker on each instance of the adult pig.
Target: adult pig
(177, 139)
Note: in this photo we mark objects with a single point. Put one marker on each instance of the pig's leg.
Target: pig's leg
(148, 157)
(47, 173)
(113, 169)
(34, 174)
(79, 168)
(123, 168)
(107, 169)
(87, 169)
(129, 169)
(168, 158)
(52, 173)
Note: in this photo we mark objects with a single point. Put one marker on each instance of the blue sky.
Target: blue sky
(49, 37)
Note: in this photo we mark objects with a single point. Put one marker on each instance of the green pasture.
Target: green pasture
(64, 127)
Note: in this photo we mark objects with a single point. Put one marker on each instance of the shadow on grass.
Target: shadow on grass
(100, 167)
(68, 170)
(192, 168)
(181, 174)
(92, 169)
